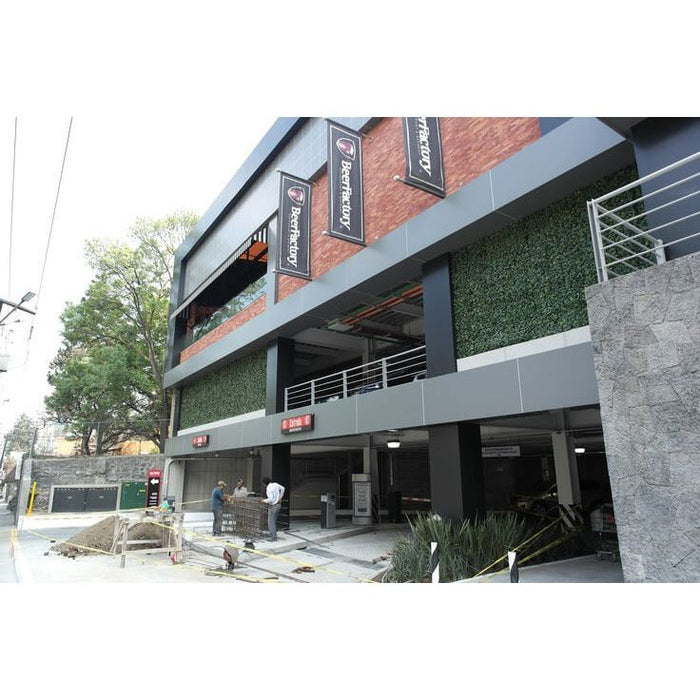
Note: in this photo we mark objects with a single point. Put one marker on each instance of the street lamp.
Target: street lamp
(23, 300)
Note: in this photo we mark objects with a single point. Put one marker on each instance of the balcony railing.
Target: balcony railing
(404, 367)
(628, 227)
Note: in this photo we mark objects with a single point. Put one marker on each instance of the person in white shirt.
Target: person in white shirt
(240, 491)
(274, 493)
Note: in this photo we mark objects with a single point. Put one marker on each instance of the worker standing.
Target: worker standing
(240, 491)
(217, 506)
(274, 493)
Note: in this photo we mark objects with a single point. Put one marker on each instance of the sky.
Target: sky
(168, 98)
(117, 168)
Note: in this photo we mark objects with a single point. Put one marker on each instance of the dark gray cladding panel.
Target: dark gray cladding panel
(476, 393)
(256, 432)
(402, 404)
(232, 434)
(561, 161)
(549, 380)
(558, 378)
(464, 207)
(330, 419)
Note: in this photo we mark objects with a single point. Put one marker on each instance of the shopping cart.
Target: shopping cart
(245, 518)
(603, 526)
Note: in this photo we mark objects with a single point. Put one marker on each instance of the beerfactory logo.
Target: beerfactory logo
(346, 147)
(296, 194)
(424, 145)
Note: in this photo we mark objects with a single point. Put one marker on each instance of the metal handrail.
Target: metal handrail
(397, 369)
(616, 243)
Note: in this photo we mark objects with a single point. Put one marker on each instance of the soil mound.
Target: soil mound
(98, 538)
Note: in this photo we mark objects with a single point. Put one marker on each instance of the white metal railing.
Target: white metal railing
(623, 239)
(401, 368)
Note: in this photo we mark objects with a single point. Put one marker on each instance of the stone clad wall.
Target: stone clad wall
(88, 471)
(645, 329)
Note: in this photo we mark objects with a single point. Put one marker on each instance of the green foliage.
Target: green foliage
(108, 375)
(229, 391)
(527, 281)
(20, 437)
(464, 549)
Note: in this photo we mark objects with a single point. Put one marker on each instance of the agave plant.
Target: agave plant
(464, 548)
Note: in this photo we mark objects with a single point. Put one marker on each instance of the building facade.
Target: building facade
(438, 284)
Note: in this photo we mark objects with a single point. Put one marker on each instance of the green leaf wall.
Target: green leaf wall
(527, 281)
(229, 391)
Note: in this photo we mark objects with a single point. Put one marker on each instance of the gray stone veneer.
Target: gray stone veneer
(645, 329)
(88, 471)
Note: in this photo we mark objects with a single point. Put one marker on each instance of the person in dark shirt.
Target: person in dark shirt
(217, 506)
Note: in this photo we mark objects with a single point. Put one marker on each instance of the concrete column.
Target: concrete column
(456, 471)
(276, 463)
(566, 469)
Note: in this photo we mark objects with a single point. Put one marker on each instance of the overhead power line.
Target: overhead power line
(53, 216)
(12, 214)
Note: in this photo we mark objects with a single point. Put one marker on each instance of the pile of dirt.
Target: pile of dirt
(98, 538)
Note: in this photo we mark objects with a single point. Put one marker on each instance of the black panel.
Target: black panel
(437, 314)
(99, 499)
(657, 143)
(280, 373)
(68, 500)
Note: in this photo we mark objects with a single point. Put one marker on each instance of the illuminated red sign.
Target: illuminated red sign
(200, 441)
(298, 424)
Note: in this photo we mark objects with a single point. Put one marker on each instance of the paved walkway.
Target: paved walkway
(305, 553)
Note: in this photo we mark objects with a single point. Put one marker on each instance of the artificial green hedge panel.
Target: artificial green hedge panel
(527, 281)
(229, 391)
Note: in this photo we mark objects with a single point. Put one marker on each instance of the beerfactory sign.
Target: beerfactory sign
(293, 250)
(423, 148)
(346, 217)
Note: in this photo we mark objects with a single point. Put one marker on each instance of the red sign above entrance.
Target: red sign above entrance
(200, 440)
(298, 424)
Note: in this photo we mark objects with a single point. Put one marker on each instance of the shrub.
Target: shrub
(464, 549)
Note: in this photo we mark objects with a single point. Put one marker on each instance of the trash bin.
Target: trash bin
(328, 510)
(393, 505)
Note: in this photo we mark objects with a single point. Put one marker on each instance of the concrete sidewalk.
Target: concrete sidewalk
(305, 553)
(302, 554)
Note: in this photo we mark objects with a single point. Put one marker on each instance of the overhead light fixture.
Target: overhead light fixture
(393, 443)
(579, 450)
(27, 297)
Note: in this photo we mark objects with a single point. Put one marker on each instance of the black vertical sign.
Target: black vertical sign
(293, 237)
(346, 217)
(153, 488)
(423, 147)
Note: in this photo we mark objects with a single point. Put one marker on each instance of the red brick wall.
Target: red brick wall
(250, 311)
(471, 146)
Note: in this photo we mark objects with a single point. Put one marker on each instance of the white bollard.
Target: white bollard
(513, 565)
(434, 564)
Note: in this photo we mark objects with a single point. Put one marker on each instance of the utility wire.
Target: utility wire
(53, 218)
(12, 215)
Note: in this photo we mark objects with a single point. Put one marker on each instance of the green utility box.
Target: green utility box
(133, 495)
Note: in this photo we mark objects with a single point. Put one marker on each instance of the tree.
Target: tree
(108, 376)
(21, 436)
